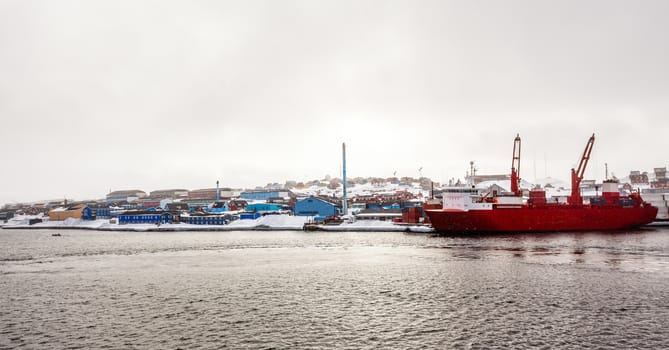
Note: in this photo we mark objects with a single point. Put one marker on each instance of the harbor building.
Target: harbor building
(314, 206)
(79, 211)
(263, 207)
(204, 197)
(206, 219)
(101, 212)
(249, 215)
(146, 217)
(265, 195)
(171, 194)
(125, 195)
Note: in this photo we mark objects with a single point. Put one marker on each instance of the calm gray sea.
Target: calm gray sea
(353, 290)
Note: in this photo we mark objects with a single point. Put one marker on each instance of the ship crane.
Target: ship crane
(515, 167)
(577, 175)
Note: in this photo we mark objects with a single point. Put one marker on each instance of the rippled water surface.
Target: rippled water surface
(285, 290)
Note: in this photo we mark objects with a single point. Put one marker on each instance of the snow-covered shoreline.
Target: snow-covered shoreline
(265, 223)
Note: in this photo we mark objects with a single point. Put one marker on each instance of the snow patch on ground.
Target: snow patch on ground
(269, 222)
(274, 222)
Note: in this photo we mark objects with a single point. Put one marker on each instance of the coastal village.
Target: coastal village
(393, 201)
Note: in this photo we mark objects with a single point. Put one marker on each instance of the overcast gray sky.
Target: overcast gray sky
(100, 95)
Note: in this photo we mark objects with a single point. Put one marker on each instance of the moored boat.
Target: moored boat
(470, 212)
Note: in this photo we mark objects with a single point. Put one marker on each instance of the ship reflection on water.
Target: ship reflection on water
(637, 250)
(88, 289)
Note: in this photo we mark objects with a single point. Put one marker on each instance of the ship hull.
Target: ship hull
(543, 219)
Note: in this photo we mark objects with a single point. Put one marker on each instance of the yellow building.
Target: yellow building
(79, 211)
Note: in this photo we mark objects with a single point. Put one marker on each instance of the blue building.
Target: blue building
(145, 217)
(205, 219)
(264, 195)
(313, 206)
(6, 215)
(217, 208)
(263, 207)
(387, 205)
(87, 213)
(249, 216)
(102, 213)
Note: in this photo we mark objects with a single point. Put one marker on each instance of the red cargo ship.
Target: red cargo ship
(469, 212)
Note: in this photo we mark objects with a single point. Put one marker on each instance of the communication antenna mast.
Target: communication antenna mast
(344, 205)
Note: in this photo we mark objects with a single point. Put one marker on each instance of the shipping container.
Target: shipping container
(597, 201)
(509, 200)
(626, 202)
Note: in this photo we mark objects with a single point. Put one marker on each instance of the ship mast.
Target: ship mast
(515, 167)
(577, 175)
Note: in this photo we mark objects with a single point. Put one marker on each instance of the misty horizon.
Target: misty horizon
(98, 95)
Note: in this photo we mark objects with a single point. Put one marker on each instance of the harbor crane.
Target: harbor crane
(577, 175)
(515, 167)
